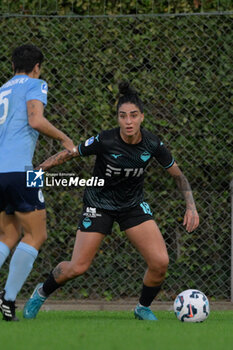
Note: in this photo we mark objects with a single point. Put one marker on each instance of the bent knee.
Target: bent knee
(35, 239)
(77, 269)
(159, 265)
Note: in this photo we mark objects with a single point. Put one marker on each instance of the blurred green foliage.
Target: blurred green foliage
(112, 7)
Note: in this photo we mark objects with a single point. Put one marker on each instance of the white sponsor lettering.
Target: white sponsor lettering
(110, 171)
(91, 213)
(14, 82)
(91, 210)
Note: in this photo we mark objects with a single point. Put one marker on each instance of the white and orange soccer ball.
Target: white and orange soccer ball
(191, 306)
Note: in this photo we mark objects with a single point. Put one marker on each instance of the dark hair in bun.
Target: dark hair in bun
(128, 95)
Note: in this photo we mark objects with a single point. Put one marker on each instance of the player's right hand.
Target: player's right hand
(68, 144)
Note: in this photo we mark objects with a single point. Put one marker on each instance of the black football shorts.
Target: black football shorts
(101, 220)
(16, 196)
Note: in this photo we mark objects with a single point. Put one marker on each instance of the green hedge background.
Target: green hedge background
(112, 7)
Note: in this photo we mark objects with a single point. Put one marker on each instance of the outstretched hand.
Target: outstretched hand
(191, 219)
(69, 145)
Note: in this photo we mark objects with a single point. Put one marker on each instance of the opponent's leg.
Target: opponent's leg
(9, 235)
(85, 248)
(4, 252)
(34, 225)
(148, 239)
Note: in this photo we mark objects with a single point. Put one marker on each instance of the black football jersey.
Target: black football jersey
(122, 167)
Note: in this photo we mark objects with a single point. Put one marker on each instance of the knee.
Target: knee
(10, 240)
(159, 266)
(36, 240)
(39, 239)
(77, 269)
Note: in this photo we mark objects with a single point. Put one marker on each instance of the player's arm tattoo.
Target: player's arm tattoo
(35, 109)
(57, 159)
(32, 110)
(183, 185)
(185, 189)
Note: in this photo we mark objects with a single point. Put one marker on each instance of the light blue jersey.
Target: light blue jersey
(17, 137)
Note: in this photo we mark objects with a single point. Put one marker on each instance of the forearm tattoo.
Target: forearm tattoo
(185, 189)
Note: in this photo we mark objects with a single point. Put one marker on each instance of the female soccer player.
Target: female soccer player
(22, 102)
(122, 154)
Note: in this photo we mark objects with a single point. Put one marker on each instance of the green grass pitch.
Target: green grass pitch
(105, 330)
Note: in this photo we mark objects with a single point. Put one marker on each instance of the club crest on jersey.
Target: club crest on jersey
(145, 156)
(89, 141)
(44, 88)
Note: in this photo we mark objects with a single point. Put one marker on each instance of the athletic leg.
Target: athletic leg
(148, 239)
(9, 235)
(85, 248)
(34, 226)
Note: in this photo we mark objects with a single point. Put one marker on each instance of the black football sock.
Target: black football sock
(49, 286)
(148, 294)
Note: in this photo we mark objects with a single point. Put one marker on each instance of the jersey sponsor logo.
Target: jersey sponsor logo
(111, 171)
(116, 155)
(87, 222)
(89, 141)
(13, 82)
(91, 212)
(35, 178)
(44, 88)
(145, 156)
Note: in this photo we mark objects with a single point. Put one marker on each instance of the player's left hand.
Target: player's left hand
(191, 219)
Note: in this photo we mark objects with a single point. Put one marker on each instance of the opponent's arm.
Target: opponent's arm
(191, 218)
(57, 159)
(36, 119)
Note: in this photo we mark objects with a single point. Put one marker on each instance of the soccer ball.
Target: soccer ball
(191, 306)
